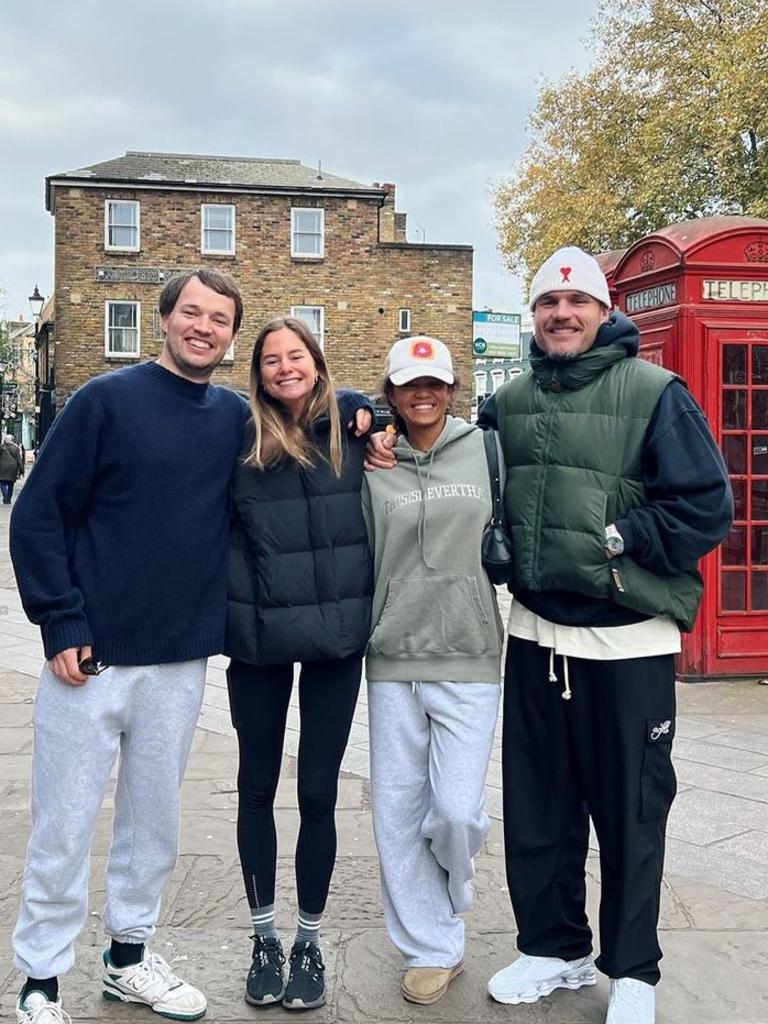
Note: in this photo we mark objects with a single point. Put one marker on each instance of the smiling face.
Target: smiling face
(566, 323)
(198, 331)
(422, 403)
(287, 369)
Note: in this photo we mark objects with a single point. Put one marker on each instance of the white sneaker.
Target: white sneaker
(631, 1002)
(530, 977)
(38, 1009)
(153, 983)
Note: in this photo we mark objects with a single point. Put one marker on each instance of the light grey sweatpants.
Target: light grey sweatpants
(430, 746)
(147, 715)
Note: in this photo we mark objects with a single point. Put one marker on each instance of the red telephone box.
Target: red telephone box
(698, 292)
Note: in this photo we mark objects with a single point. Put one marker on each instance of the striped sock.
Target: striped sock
(263, 919)
(308, 927)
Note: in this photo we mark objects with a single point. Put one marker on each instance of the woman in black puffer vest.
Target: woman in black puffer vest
(299, 591)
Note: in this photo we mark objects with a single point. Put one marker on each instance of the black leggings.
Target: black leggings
(258, 698)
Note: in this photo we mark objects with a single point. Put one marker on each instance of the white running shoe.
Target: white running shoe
(38, 1009)
(530, 977)
(631, 1002)
(153, 983)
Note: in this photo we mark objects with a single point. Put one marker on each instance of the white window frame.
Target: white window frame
(296, 312)
(217, 206)
(229, 355)
(122, 202)
(109, 354)
(307, 255)
(158, 334)
(404, 321)
(497, 379)
(480, 382)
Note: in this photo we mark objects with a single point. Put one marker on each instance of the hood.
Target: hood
(455, 427)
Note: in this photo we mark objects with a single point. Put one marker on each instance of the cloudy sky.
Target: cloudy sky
(430, 94)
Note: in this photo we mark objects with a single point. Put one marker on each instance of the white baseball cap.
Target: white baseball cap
(420, 356)
(570, 270)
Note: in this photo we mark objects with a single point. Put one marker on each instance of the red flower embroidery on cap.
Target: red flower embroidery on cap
(422, 350)
(566, 272)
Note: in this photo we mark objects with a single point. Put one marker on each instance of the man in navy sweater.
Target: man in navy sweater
(119, 542)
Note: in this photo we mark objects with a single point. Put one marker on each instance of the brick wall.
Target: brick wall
(362, 282)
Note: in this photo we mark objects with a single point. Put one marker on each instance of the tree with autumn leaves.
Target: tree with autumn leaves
(669, 123)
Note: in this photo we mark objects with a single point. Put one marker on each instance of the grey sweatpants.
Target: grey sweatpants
(430, 746)
(147, 715)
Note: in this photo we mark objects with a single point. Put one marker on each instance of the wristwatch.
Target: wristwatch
(613, 542)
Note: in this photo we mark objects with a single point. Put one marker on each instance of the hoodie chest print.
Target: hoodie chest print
(437, 492)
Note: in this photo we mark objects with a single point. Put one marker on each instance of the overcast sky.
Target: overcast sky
(429, 94)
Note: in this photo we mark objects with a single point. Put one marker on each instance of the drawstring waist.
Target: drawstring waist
(566, 694)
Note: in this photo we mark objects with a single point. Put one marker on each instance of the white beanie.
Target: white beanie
(570, 270)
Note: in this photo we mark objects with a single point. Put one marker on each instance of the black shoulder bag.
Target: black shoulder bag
(495, 547)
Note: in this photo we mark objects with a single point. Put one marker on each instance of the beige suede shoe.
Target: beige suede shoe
(428, 984)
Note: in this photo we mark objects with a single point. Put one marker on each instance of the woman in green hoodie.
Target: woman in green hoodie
(433, 666)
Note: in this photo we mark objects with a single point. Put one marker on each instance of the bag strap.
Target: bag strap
(492, 457)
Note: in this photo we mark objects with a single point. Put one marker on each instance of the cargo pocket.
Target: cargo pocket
(658, 784)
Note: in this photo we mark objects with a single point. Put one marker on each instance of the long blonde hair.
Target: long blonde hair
(277, 434)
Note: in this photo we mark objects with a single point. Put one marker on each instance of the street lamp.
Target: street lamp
(36, 303)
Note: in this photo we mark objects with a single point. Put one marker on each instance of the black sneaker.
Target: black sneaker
(306, 985)
(265, 984)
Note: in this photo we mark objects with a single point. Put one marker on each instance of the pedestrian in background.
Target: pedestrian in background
(433, 666)
(11, 466)
(300, 591)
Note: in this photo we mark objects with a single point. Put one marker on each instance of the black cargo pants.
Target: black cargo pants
(605, 753)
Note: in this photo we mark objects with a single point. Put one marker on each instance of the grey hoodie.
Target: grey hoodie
(435, 617)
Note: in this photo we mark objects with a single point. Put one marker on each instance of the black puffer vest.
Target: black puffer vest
(300, 574)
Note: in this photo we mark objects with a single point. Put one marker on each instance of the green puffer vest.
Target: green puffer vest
(572, 436)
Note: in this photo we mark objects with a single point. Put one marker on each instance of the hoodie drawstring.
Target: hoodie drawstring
(421, 525)
(566, 694)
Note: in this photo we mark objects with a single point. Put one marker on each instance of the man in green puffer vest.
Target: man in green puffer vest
(615, 488)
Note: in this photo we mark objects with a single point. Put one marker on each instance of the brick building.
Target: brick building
(297, 239)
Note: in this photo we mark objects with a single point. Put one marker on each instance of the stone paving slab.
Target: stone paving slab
(700, 831)
(752, 845)
(738, 875)
(720, 755)
(742, 739)
(721, 780)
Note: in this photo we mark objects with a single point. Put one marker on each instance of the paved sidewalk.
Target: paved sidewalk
(715, 902)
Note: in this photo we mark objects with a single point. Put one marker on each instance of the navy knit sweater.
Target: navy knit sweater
(119, 537)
